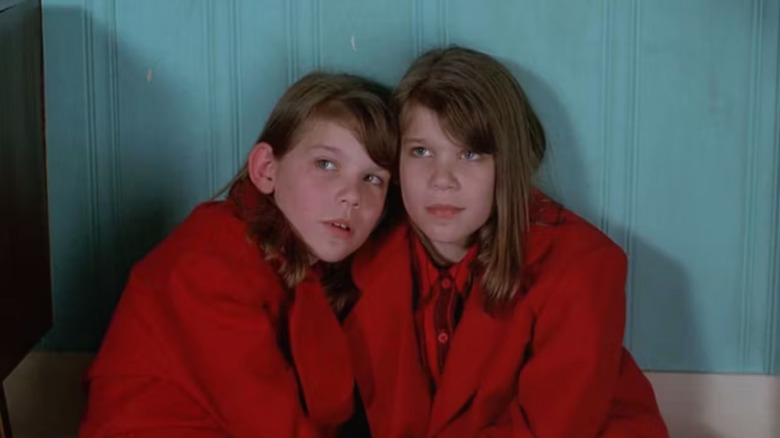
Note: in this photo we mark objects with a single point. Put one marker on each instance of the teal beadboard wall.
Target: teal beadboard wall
(662, 116)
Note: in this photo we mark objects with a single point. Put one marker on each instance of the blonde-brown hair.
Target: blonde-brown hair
(481, 105)
(363, 107)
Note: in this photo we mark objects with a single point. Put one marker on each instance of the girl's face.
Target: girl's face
(329, 189)
(448, 189)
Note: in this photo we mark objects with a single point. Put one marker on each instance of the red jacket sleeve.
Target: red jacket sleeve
(227, 343)
(634, 411)
(565, 388)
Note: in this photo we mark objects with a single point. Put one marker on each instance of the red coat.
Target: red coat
(553, 367)
(197, 344)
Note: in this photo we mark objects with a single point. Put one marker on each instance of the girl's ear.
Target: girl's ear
(262, 167)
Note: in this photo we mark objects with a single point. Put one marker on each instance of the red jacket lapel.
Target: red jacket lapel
(382, 339)
(315, 334)
(472, 347)
(479, 332)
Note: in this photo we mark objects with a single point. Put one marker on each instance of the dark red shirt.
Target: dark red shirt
(441, 293)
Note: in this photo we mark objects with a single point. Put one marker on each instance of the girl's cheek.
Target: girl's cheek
(409, 169)
(378, 196)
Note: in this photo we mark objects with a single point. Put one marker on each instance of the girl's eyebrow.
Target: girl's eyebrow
(328, 148)
(380, 170)
(413, 140)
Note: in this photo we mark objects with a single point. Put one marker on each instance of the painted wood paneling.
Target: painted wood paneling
(662, 117)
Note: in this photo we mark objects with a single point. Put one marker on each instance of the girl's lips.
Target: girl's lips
(443, 211)
(339, 228)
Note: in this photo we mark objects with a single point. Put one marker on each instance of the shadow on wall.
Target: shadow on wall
(113, 182)
(562, 175)
(664, 331)
(661, 322)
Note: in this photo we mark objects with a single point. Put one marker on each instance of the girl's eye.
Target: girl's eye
(419, 151)
(374, 179)
(471, 155)
(326, 164)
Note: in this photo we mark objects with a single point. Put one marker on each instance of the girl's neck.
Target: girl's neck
(452, 253)
(443, 254)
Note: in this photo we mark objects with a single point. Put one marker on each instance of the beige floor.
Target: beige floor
(46, 397)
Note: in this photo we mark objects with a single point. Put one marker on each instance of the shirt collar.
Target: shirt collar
(460, 272)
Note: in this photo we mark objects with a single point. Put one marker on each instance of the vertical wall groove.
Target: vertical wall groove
(606, 122)
(773, 322)
(440, 22)
(633, 157)
(91, 132)
(115, 178)
(444, 20)
(750, 187)
(417, 32)
(113, 79)
(235, 83)
(317, 34)
(211, 155)
(292, 57)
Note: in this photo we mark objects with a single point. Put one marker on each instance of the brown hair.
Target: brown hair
(480, 104)
(360, 105)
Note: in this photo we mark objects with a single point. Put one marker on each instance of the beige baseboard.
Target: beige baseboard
(719, 405)
(46, 398)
